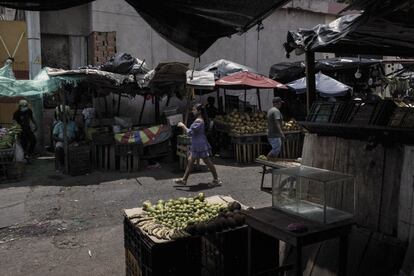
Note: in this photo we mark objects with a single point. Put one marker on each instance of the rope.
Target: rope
(18, 44)
(5, 47)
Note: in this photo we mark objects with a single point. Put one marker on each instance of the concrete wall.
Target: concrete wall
(135, 36)
(73, 23)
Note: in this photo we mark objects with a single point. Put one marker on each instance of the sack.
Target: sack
(18, 153)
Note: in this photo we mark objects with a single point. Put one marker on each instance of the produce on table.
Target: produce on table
(292, 125)
(174, 219)
(242, 123)
(8, 136)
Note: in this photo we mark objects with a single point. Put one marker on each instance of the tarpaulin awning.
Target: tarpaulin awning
(290, 71)
(194, 25)
(326, 86)
(247, 80)
(200, 80)
(41, 84)
(222, 68)
(148, 136)
(383, 28)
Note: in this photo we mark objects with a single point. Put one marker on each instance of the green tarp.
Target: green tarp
(41, 84)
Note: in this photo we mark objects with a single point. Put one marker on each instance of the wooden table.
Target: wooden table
(277, 164)
(274, 222)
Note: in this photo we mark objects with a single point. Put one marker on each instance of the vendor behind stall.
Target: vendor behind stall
(23, 116)
(211, 110)
(72, 133)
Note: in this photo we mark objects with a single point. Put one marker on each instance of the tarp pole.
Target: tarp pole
(142, 109)
(310, 79)
(157, 109)
(245, 99)
(258, 99)
(119, 104)
(219, 103)
(225, 103)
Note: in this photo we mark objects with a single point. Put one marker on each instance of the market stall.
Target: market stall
(120, 143)
(246, 132)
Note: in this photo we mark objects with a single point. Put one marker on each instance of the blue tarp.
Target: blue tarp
(325, 86)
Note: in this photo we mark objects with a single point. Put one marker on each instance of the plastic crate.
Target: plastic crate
(225, 253)
(6, 156)
(147, 258)
(402, 117)
(325, 112)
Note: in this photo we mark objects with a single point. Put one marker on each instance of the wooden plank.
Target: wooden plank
(136, 163)
(343, 196)
(112, 163)
(388, 219)
(406, 203)
(93, 152)
(408, 263)
(123, 163)
(367, 168)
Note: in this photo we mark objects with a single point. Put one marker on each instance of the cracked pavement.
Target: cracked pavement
(49, 222)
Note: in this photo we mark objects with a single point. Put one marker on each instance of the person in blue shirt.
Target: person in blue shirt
(200, 148)
(58, 131)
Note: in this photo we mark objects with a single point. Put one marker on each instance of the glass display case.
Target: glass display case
(316, 194)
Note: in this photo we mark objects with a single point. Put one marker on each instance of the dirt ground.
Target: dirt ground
(53, 224)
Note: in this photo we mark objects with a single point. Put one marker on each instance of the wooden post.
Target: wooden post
(219, 103)
(258, 99)
(310, 79)
(225, 103)
(245, 99)
(65, 135)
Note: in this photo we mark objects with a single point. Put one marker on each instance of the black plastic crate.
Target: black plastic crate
(326, 112)
(173, 258)
(225, 253)
(402, 117)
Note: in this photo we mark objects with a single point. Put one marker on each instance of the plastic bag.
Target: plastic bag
(18, 153)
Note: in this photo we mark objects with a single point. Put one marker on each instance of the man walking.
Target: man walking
(274, 124)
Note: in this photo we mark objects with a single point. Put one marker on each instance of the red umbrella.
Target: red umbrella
(247, 80)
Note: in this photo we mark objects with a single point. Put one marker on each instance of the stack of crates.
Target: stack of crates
(102, 46)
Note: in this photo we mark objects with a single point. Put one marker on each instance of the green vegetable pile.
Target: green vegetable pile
(183, 217)
(8, 137)
(178, 214)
